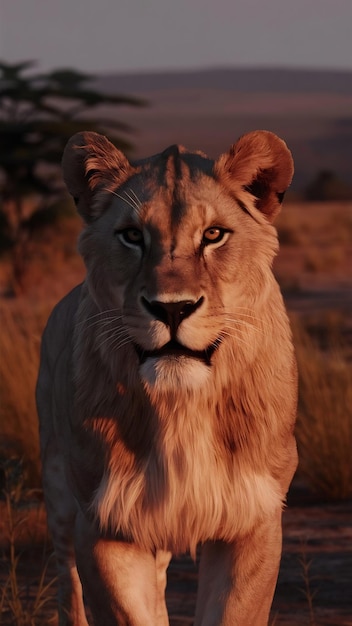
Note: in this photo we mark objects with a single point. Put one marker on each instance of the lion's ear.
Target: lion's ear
(259, 163)
(90, 163)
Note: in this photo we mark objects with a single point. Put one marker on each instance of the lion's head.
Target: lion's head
(181, 247)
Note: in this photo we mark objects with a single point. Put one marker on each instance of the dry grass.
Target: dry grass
(45, 261)
(51, 268)
(324, 427)
(309, 222)
(21, 604)
(316, 240)
(317, 259)
(22, 323)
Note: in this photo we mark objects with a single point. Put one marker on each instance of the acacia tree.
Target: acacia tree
(38, 114)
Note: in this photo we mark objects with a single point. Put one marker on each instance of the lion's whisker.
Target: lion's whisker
(237, 322)
(234, 336)
(120, 345)
(115, 337)
(135, 195)
(96, 315)
(104, 322)
(137, 203)
(260, 321)
(113, 331)
(130, 203)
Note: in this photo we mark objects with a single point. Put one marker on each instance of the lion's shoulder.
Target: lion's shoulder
(59, 328)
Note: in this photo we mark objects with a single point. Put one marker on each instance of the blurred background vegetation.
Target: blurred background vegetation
(39, 112)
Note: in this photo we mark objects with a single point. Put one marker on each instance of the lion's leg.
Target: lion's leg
(237, 582)
(162, 561)
(71, 608)
(61, 511)
(122, 584)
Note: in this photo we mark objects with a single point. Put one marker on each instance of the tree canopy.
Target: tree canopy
(38, 114)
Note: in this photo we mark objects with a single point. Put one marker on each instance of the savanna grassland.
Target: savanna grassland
(314, 269)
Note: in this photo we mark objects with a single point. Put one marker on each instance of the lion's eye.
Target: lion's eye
(213, 235)
(131, 236)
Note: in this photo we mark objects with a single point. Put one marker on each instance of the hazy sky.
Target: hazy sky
(105, 35)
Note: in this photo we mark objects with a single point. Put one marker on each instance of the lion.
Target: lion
(167, 388)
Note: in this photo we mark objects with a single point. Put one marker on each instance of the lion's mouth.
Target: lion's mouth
(174, 349)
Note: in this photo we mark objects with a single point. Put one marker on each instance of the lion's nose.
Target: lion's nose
(171, 313)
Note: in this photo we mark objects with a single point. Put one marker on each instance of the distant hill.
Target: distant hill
(238, 80)
(209, 109)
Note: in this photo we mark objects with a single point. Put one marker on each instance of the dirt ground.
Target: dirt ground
(315, 580)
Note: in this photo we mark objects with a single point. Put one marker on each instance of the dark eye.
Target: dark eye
(131, 236)
(213, 235)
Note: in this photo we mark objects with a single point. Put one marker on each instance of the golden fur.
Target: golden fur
(158, 449)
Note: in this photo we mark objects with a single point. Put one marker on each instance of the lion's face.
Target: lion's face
(178, 249)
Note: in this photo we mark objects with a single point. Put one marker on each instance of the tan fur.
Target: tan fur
(143, 458)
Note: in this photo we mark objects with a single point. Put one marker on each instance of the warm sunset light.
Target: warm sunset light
(175, 263)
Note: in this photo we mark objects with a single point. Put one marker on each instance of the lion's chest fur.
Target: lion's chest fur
(175, 482)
